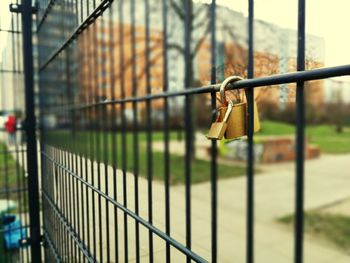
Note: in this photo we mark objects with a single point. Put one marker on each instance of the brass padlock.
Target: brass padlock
(236, 124)
(218, 128)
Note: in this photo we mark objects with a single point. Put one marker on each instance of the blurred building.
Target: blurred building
(106, 65)
(99, 64)
(11, 73)
(275, 52)
(337, 91)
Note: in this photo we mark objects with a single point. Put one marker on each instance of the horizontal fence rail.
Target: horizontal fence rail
(293, 77)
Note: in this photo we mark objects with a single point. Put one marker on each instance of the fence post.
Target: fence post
(30, 125)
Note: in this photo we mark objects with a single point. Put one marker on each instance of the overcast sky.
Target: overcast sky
(324, 18)
(327, 19)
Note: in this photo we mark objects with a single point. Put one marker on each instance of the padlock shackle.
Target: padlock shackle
(228, 111)
(223, 86)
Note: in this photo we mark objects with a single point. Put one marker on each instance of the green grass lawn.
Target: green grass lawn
(330, 227)
(11, 177)
(7, 169)
(269, 128)
(323, 135)
(85, 143)
(8, 180)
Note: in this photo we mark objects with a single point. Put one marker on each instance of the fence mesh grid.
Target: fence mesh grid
(111, 103)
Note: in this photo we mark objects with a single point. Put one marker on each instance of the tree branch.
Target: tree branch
(140, 54)
(200, 9)
(200, 41)
(177, 9)
(230, 31)
(200, 24)
(176, 47)
(152, 62)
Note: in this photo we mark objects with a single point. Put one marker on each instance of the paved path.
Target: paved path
(327, 181)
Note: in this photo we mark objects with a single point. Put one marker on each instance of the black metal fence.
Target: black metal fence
(107, 99)
(14, 185)
(14, 206)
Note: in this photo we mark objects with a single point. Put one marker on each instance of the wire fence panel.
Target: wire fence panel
(15, 220)
(14, 206)
(123, 108)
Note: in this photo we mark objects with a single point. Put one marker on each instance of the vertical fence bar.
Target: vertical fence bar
(74, 150)
(63, 238)
(15, 83)
(188, 121)
(66, 163)
(92, 137)
(80, 148)
(166, 127)
(214, 151)
(86, 136)
(105, 132)
(30, 125)
(98, 131)
(70, 141)
(135, 129)
(65, 176)
(123, 128)
(149, 128)
(7, 190)
(20, 55)
(300, 144)
(62, 59)
(114, 135)
(250, 133)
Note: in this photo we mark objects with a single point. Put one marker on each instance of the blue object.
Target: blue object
(14, 232)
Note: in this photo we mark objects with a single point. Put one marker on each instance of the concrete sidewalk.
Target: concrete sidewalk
(327, 180)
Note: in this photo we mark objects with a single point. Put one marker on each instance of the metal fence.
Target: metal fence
(104, 104)
(14, 207)
(15, 220)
